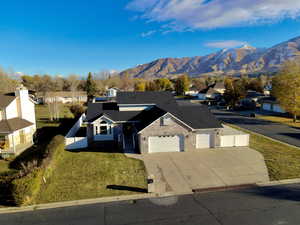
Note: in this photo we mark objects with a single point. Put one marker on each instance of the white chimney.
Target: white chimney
(26, 106)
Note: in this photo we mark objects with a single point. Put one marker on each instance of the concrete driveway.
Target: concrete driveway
(210, 168)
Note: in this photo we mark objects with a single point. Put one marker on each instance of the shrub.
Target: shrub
(77, 110)
(27, 185)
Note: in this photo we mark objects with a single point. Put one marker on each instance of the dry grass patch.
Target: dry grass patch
(84, 175)
(280, 119)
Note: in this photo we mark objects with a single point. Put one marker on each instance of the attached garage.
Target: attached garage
(203, 141)
(229, 137)
(174, 143)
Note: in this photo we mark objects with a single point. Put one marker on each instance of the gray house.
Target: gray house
(149, 122)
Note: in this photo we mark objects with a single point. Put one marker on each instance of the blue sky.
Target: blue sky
(65, 37)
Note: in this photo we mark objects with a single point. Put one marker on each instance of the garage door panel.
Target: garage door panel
(227, 141)
(166, 143)
(242, 140)
(203, 141)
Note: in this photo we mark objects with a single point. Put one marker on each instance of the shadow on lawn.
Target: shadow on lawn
(127, 188)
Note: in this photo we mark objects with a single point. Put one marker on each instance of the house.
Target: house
(62, 97)
(193, 91)
(219, 87)
(271, 104)
(112, 92)
(212, 91)
(152, 122)
(17, 122)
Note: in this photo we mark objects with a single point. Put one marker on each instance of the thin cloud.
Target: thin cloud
(148, 33)
(225, 44)
(203, 14)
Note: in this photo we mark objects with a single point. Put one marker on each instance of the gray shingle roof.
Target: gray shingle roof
(11, 125)
(195, 116)
(6, 99)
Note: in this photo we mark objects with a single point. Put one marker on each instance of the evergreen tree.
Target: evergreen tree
(91, 88)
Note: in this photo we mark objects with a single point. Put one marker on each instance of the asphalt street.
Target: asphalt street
(276, 205)
(270, 129)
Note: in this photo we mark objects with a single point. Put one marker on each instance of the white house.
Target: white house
(112, 92)
(17, 121)
(62, 97)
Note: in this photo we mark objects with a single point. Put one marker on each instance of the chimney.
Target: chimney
(26, 107)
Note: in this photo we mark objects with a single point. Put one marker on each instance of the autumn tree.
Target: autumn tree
(286, 88)
(140, 86)
(163, 84)
(182, 84)
(152, 86)
(90, 87)
(255, 85)
(199, 83)
(234, 91)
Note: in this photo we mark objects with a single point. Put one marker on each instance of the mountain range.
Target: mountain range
(234, 61)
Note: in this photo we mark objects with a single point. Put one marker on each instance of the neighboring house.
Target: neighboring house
(62, 97)
(271, 104)
(152, 122)
(17, 122)
(220, 87)
(112, 92)
(268, 88)
(193, 91)
(212, 92)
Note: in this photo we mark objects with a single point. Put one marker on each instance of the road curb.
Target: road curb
(88, 202)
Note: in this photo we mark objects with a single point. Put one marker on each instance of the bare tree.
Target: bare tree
(73, 82)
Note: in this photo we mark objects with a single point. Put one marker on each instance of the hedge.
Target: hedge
(26, 188)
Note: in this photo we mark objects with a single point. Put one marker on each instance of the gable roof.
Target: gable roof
(194, 116)
(6, 99)
(219, 85)
(11, 125)
(198, 117)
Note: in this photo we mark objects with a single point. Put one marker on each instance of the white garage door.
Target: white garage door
(166, 143)
(267, 106)
(203, 141)
(227, 141)
(242, 140)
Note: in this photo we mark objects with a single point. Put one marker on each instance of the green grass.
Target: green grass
(4, 166)
(81, 175)
(47, 128)
(281, 119)
(283, 161)
(43, 115)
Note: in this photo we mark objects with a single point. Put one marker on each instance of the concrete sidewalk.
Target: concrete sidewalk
(184, 172)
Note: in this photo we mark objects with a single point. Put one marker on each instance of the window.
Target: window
(165, 121)
(103, 129)
(4, 142)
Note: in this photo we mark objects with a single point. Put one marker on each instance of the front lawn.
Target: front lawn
(283, 161)
(81, 175)
(280, 119)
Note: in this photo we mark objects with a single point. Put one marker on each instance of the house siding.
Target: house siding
(174, 127)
